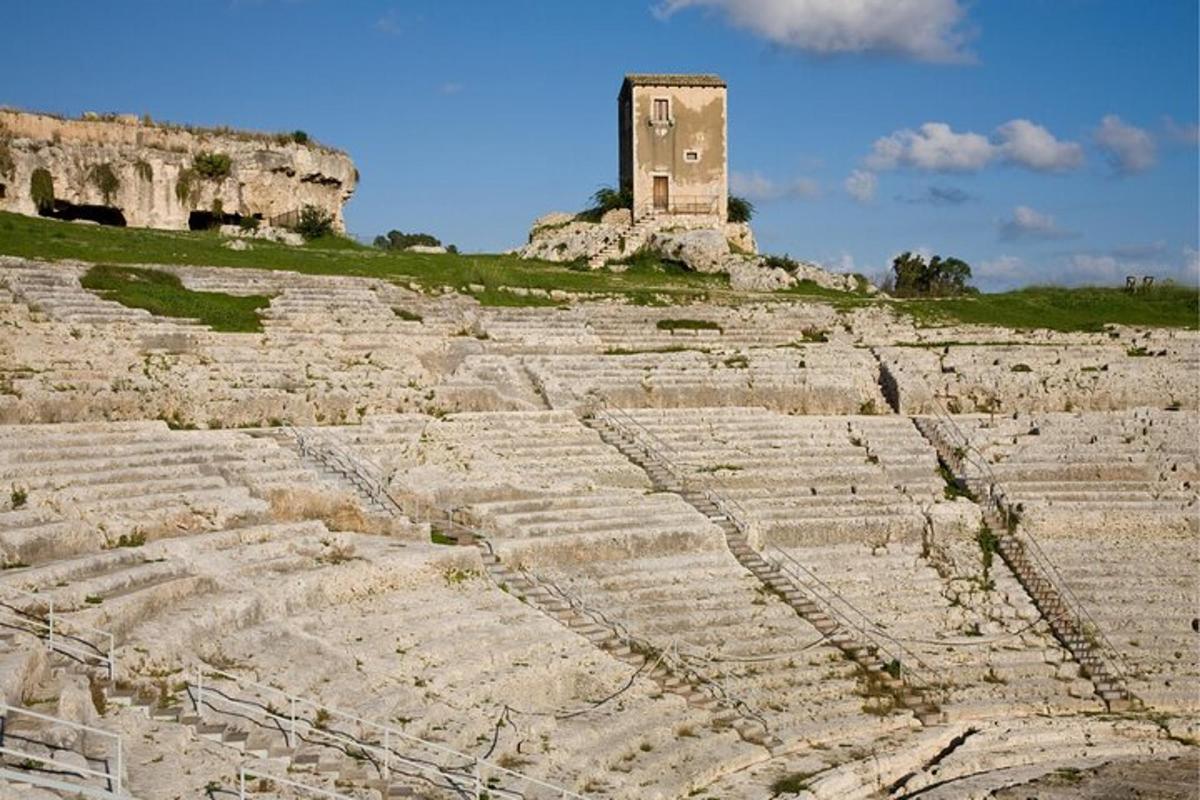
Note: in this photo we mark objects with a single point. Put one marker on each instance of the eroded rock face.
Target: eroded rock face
(749, 274)
(143, 174)
(704, 250)
(555, 239)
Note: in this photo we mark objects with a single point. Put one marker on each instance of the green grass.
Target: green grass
(1083, 309)
(163, 294)
(687, 325)
(646, 281)
(33, 237)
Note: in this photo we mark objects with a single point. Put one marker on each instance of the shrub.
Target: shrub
(784, 262)
(41, 190)
(19, 498)
(607, 199)
(212, 166)
(687, 325)
(104, 179)
(912, 275)
(739, 209)
(249, 223)
(398, 240)
(299, 137)
(186, 187)
(314, 222)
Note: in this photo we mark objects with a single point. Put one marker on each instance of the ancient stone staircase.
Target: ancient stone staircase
(332, 755)
(855, 647)
(1067, 618)
(667, 671)
(626, 244)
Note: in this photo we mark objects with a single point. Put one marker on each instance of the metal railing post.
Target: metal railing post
(387, 754)
(200, 692)
(292, 722)
(50, 623)
(242, 783)
(120, 766)
(478, 782)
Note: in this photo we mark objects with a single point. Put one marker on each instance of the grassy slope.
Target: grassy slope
(1041, 307)
(163, 294)
(1060, 309)
(49, 239)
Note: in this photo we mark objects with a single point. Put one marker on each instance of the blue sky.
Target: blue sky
(1040, 140)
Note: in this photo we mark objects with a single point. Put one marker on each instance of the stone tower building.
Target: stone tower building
(673, 153)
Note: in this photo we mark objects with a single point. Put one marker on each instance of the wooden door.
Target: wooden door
(662, 199)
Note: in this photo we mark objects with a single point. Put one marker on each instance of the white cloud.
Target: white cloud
(1029, 224)
(1190, 274)
(389, 23)
(1030, 145)
(936, 147)
(450, 87)
(861, 185)
(1129, 149)
(923, 30)
(755, 186)
(933, 147)
(1090, 268)
(1181, 133)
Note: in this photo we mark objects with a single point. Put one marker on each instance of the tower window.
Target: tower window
(662, 109)
(691, 156)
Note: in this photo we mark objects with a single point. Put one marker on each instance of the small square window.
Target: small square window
(691, 155)
(662, 109)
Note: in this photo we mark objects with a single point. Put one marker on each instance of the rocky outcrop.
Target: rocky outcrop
(563, 238)
(691, 241)
(752, 275)
(703, 250)
(121, 170)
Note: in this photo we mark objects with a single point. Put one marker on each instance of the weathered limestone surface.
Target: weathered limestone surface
(229, 549)
(267, 177)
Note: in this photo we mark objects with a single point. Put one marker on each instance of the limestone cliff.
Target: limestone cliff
(121, 170)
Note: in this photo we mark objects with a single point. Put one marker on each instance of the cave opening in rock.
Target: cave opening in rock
(206, 220)
(103, 215)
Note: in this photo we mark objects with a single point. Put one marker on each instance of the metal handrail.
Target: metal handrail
(359, 466)
(868, 628)
(997, 498)
(382, 751)
(597, 616)
(111, 777)
(60, 634)
(737, 514)
(245, 772)
(673, 661)
(683, 204)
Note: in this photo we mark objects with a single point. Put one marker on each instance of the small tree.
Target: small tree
(314, 222)
(398, 240)
(41, 190)
(739, 209)
(939, 277)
